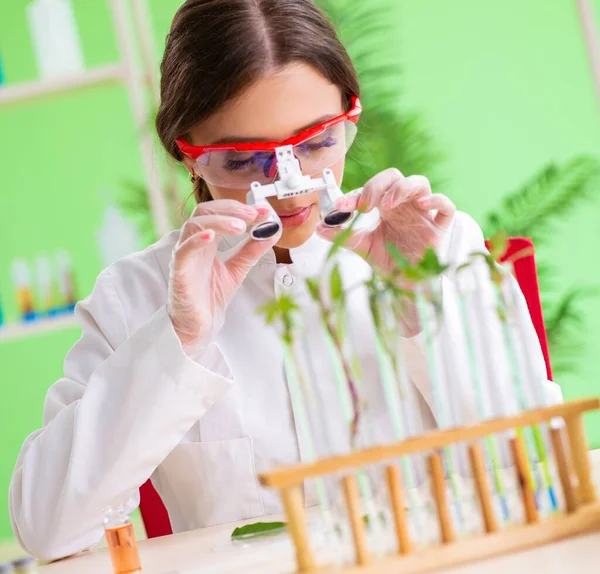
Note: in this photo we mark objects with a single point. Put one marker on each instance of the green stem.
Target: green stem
(337, 354)
(292, 371)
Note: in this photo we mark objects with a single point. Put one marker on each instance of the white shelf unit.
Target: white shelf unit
(592, 40)
(25, 330)
(140, 80)
(131, 23)
(21, 93)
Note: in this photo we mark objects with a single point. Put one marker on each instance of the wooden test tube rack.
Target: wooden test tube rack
(581, 515)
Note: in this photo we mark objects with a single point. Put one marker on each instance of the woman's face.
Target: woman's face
(276, 107)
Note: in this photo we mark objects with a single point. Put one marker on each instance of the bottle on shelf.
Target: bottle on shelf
(46, 301)
(55, 38)
(120, 537)
(117, 237)
(24, 292)
(66, 281)
(1, 71)
(26, 565)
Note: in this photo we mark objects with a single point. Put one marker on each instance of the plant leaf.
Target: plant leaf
(402, 262)
(538, 206)
(430, 263)
(567, 313)
(498, 243)
(258, 529)
(312, 285)
(336, 287)
(565, 320)
(340, 240)
(270, 310)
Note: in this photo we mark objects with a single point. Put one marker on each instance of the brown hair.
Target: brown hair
(217, 48)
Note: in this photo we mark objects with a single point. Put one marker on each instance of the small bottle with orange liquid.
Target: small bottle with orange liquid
(24, 292)
(121, 541)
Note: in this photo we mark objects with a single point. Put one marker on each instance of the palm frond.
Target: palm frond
(351, 19)
(388, 136)
(546, 274)
(566, 313)
(535, 208)
(390, 140)
(564, 328)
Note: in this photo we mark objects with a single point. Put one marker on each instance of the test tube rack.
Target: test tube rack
(581, 512)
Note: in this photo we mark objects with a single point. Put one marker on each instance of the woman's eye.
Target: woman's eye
(238, 164)
(255, 161)
(329, 141)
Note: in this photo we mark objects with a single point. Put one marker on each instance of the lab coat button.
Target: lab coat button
(288, 280)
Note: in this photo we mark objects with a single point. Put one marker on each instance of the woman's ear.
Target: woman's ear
(188, 162)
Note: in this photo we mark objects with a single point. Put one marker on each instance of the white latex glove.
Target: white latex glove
(200, 285)
(412, 217)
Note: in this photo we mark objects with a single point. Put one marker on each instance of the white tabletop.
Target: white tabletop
(209, 551)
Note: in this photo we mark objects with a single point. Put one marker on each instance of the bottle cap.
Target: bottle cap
(20, 272)
(115, 516)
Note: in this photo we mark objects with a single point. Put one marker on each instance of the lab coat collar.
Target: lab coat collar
(310, 255)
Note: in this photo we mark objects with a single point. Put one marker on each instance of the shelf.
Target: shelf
(13, 332)
(18, 93)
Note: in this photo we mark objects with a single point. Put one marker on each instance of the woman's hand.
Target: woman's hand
(200, 285)
(412, 217)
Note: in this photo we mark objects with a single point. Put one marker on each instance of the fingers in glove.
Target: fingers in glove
(228, 207)
(386, 190)
(202, 231)
(358, 241)
(221, 224)
(349, 202)
(377, 187)
(411, 188)
(192, 244)
(240, 264)
(446, 210)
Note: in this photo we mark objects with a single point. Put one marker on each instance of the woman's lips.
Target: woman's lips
(296, 217)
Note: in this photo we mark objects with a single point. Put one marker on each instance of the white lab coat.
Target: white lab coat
(133, 405)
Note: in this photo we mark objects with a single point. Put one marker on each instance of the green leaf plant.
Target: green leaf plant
(332, 315)
(258, 529)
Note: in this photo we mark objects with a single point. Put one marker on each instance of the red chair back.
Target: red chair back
(154, 514)
(526, 276)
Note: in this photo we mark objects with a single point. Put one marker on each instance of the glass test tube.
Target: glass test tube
(121, 541)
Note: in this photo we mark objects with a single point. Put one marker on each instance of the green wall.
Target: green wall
(504, 87)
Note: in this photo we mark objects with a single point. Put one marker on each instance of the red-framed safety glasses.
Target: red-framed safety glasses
(238, 165)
